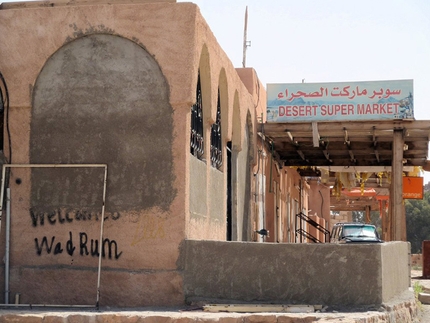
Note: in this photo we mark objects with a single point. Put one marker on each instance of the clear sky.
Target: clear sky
(328, 41)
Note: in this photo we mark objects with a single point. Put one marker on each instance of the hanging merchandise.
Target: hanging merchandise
(415, 172)
(337, 188)
(347, 179)
(364, 178)
(325, 175)
(379, 178)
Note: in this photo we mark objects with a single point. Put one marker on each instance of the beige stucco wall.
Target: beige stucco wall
(145, 271)
(241, 173)
(241, 95)
(198, 224)
(319, 205)
(290, 198)
(250, 79)
(147, 237)
(319, 199)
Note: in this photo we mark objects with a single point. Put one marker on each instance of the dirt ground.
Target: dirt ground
(424, 285)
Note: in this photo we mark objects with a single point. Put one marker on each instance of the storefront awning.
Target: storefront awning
(346, 144)
(356, 146)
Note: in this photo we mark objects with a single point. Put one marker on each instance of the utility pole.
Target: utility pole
(246, 44)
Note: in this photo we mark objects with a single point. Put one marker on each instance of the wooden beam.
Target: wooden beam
(397, 214)
(426, 166)
(327, 156)
(347, 142)
(381, 125)
(367, 210)
(292, 140)
(384, 220)
(351, 154)
(351, 208)
(301, 154)
(375, 145)
(376, 155)
(315, 134)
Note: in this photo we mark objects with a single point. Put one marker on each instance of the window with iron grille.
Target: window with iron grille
(196, 140)
(216, 143)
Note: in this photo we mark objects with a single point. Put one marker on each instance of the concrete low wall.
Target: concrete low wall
(395, 268)
(326, 274)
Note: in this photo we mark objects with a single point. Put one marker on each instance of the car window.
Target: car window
(359, 231)
(350, 233)
(369, 232)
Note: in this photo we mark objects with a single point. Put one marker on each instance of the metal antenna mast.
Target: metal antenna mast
(246, 43)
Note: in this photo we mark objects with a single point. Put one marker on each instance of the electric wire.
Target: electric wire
(4, 109)
(4, 97)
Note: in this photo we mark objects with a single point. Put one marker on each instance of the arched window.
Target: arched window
(196, 141)
(216, 142)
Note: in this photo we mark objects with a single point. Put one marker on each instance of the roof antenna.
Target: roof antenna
(246, 43)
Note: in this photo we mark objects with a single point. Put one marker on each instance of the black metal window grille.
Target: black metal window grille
(216, 143)
(196, 142)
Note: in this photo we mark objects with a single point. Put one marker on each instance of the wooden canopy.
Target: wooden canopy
(356, 146)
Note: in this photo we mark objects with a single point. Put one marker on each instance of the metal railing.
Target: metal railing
(302, 233)
(216, 142)
(196, 140)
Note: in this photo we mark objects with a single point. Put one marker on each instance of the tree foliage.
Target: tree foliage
(360, 216)
(418, 222)
(375, 219)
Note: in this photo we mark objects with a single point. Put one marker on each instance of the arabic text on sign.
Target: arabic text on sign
(337, 92)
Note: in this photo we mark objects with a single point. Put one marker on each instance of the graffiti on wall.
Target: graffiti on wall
(86, 247)
(80, 244)
(68, 216)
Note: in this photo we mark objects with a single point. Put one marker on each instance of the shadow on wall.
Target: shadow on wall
(102, 99)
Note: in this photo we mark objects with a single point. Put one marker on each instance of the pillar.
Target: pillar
(396, 201)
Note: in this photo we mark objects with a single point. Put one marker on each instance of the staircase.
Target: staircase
(303, 232)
